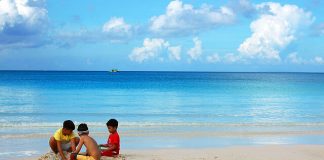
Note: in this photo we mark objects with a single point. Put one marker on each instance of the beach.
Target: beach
(197, 115)
(273, 152)
(263, 152)
(234, 145)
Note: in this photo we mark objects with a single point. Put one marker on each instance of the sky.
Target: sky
(161, 35)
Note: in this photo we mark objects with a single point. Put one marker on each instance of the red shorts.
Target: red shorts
(109, 153)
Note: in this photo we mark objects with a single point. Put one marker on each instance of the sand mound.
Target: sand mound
(53, 156)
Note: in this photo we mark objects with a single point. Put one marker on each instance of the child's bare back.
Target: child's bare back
(91, 145)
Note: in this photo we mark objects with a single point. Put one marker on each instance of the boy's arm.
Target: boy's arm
(73, 144)
(103, 145)
(59, 148)
(79, 146)
(111, 147)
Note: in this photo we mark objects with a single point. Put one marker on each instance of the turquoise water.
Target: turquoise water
(162, 109)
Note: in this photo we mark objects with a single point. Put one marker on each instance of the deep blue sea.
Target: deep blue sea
(161, 109)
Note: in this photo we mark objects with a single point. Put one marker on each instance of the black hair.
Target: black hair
(82, 127)
(112, 122)
(69, 125)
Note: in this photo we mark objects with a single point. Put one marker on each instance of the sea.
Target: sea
(161, 109)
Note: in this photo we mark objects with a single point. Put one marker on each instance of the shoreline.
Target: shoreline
(182, 134)
(256, 152)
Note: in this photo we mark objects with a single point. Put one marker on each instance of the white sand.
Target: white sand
(268, 152)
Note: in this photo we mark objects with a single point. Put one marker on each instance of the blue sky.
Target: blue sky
(179, 35)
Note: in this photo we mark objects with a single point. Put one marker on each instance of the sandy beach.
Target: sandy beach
(228, 152)
(273, 152)
(264, 152)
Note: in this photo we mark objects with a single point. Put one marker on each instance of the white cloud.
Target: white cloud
(318, 60)
(151, 49)
(213, 58)
(227, 58)
(155, 48)
(27, 14)
(293, 58)
(196, 51)
(174, 53)
(117, 28)
(181, 19)
(21, 22)
(274, 30)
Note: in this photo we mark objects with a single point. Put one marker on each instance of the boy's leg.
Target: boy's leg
(53, 144)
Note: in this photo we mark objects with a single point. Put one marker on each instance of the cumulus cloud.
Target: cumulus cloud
(25, 14)
(213, 58)
(276, 28)
(174, 53)
(154, 48)
(196, 51)
(184, 19)
(116, 28)
(150, 49)
(22, 22)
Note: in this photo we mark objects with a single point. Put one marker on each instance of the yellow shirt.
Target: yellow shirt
(58, 135)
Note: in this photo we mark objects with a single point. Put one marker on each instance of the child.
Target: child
(93, 152)
(113, 142)
(64, 139)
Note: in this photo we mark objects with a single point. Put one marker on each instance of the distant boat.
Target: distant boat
(114, 70)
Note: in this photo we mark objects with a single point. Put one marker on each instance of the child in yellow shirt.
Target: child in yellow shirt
(64, 139)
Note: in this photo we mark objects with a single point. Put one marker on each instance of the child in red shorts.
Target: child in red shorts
(113, 143)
